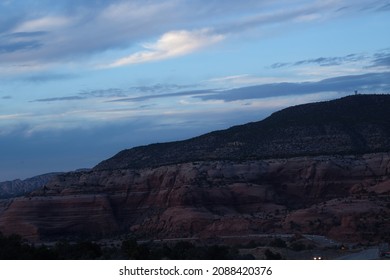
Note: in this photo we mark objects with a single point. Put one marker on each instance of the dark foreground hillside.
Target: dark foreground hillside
(351, 125)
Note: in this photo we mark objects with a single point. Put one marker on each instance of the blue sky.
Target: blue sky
(82, 80)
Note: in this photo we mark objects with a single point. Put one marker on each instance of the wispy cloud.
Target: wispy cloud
(282, 12)
(111, 92)
(20, 41)
(171, 44)
(243, 79)
(13, 116)
(121, 95)
(384, 8)
(381, 59)
(369, 83)
(323, 61)
(161, 88)
(73, 29)
(345, 84)
(97, 93)
(47, 77)
(44, 23)
(65, 98)
(165, 95)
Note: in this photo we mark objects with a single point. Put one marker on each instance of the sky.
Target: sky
(82, 80)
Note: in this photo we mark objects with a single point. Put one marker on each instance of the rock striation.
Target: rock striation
(343, 197)
(320, 168)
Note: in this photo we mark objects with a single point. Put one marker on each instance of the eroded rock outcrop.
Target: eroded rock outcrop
(339, 196)
(18, 187)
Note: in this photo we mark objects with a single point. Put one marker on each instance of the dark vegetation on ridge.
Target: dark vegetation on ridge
(13, 247)
(351, 125)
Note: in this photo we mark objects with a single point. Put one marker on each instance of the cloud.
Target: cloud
(322, 61)
(165, 95)
(243, 79)
(171, 44)
(18, 46)
(111, 92)
(22, 35)
(69, 30)
(73, 29)
(281, 12)
(13, 117)
(375, 6)
(161, 87)
(65, 98)
(44, 23)
(47, 77)
(381, 59)
(384, 8)
(345, 84)
(99, 93)
(10, 44)
(117, 92)
(20, 42)
(7, 97)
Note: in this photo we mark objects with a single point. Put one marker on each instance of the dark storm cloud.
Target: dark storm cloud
(368, 82)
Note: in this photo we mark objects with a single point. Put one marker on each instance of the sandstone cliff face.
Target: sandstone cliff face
(59, 216)
(339, 196)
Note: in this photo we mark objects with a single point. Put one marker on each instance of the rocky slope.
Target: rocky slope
(351, 125)
(345, 197)
(21, 187)
(340, 187)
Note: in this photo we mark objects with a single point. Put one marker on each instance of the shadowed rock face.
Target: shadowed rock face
(59, 216)
(351, 125)
(328, 174)
(21, 187)
(339, 196)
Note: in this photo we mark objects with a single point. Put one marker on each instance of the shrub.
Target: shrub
(269, 255)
